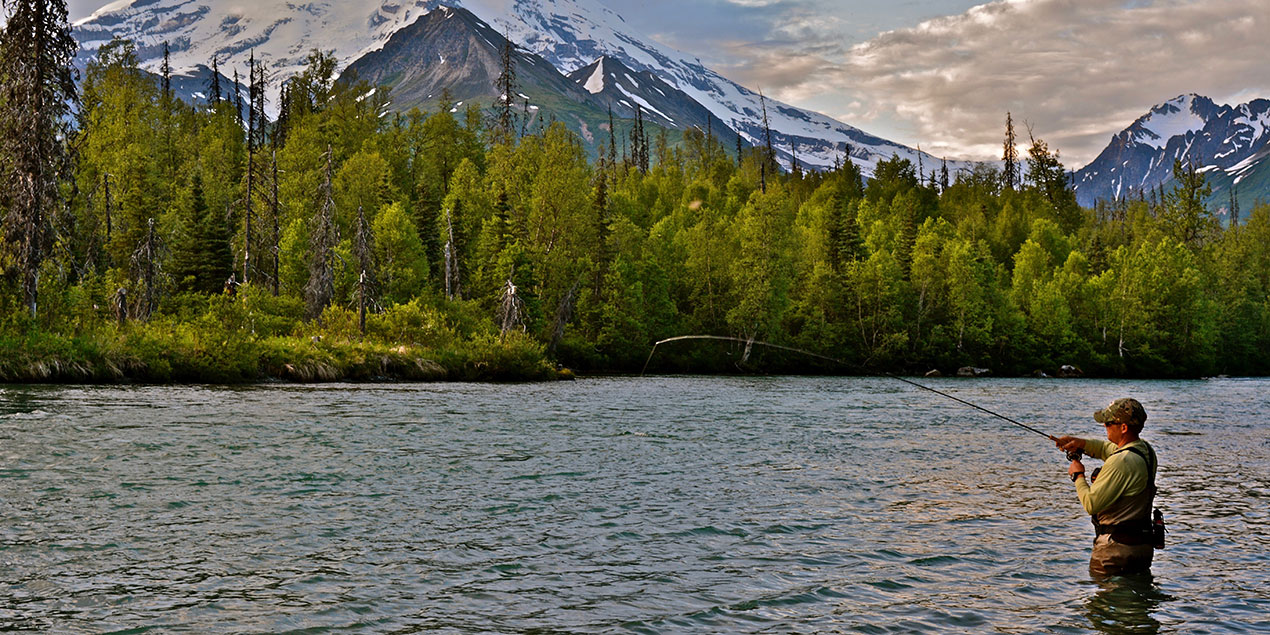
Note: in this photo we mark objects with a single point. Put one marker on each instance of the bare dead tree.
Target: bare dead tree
(323, 237)
(363, 252)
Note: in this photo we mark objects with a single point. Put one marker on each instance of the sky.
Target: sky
(942, 74)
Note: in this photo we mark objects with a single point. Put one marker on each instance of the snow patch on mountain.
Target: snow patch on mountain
(1228, 143)
(595, 83)
(570, 34)
(1170, 119)
(279, 33)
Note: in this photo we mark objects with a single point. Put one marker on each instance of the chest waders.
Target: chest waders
(1130, 520)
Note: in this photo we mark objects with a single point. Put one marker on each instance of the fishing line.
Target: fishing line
(844, 363)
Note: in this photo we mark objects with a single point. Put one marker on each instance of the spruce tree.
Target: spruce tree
(600, 209)
(213, 89)
(166, 76)
(275, 211)
(1010, 171)
(37, 93)
(506, 86)
(237, 98)
(1234, 207)
(769, 156)
(612, 141)
(251, 159)
(322, 240)
(186, 257)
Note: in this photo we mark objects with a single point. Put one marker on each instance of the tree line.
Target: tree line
(125, 205)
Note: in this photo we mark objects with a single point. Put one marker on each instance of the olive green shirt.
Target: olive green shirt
(1123, 474)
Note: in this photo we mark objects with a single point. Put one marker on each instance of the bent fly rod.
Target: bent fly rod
(1074, 455)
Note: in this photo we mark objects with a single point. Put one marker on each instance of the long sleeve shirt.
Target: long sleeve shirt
(1123, 474)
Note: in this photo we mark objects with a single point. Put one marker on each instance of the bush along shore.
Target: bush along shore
(253, 337)
(476, 245)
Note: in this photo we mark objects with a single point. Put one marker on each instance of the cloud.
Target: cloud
(1078, 70)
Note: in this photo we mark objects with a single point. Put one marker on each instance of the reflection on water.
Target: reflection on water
(1125, 604)
(651, 505)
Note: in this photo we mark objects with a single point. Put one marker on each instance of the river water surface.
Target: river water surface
(666, 504)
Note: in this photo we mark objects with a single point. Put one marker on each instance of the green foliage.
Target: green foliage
(403, 265)
(604, 258)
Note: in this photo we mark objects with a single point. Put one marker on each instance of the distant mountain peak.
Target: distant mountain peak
(1229, 144)
(1177, 116)
(565, 34)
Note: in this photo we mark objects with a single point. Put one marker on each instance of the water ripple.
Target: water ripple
(641, 505)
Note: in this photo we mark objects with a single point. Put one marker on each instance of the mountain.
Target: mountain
(617, 86)
(279, 32)
(1230, 144)
(570, 35)
(451, 49)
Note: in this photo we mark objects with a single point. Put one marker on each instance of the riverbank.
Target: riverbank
(252, 339)
(144, 356)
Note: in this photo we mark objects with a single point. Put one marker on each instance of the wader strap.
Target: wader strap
(1151, 464)
(1137, 525)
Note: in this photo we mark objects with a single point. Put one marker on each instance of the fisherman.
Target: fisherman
(1120, 500)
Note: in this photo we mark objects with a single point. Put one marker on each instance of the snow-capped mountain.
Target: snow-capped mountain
(453, 50)
(617, 86)
(280, 33)
(569, 34)
(572, 34)
(1229, 143)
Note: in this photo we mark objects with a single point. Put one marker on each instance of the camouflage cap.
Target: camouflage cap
(1126, 410)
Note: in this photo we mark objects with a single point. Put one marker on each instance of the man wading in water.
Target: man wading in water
(1120, 499)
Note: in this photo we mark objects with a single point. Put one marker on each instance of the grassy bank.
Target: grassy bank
(255, 337)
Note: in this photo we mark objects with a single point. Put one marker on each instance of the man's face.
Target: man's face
(1116, 432)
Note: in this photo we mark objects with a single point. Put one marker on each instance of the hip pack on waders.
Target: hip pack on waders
(1139, 531)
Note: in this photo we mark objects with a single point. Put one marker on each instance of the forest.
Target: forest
(151, 239)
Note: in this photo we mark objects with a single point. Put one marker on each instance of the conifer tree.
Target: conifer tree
(1185, 213)
(275, 212)
(37, 92)
(1234, 207)
(612, 141)
(1010, 171)
(322, 240)
(769, 155)
(105, 180)
(600, 208)
(506, 86)
(237, 98)
(261, 84)
(214, 89)
(166, 75)
(249, 195)
(192, 260)
(639, 142)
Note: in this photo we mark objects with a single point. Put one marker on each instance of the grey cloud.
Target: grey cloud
(1079, 70)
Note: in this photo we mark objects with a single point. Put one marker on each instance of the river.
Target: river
(645, 505)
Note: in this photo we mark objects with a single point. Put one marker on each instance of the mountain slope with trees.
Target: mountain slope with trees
(205, 242)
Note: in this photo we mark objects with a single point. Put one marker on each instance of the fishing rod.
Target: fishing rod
(1073, 455)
